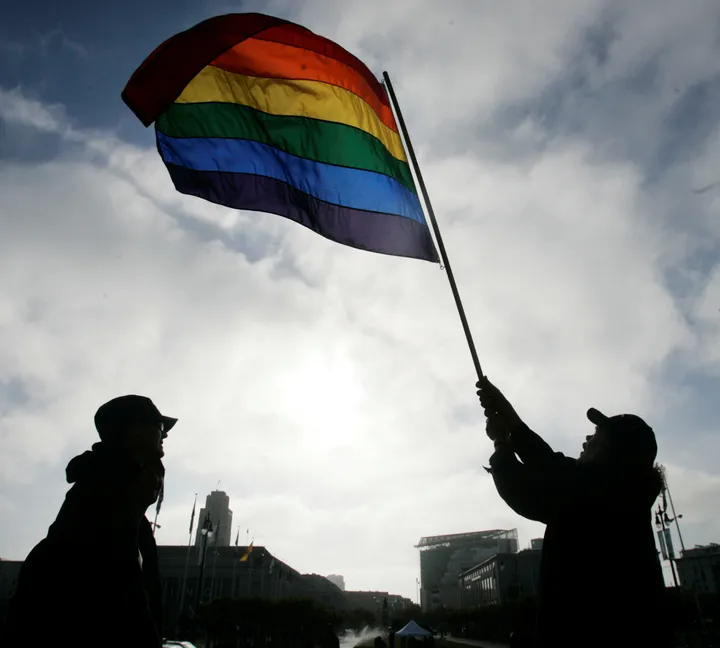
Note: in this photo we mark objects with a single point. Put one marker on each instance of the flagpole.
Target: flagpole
(212, 579)
(262, 574)
(235, 562)
(187, 558)
(250, 567)
(433, 222)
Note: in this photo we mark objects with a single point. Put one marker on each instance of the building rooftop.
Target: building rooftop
(428, 542)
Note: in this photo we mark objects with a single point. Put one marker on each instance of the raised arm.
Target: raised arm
(544, 490)
(529, 446)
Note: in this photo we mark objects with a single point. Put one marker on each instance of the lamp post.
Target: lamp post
(205, 533)
(667, 521)
(662, 524)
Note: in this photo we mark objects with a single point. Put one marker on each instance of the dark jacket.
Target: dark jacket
(83, 585)
(601, 582)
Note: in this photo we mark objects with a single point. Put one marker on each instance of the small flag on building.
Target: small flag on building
(246, 555)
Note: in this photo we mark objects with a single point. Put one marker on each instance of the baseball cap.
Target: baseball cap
(636, 434)
(130, 410)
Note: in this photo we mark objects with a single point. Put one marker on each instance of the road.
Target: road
(351, 642)
(472, 642)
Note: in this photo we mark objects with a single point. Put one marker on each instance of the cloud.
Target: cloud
(331, 390)
(49, 43)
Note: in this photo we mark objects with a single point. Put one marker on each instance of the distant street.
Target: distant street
(351, 642)
(472, 642)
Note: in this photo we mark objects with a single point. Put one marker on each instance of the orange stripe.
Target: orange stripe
(267, 59)
(297, 36)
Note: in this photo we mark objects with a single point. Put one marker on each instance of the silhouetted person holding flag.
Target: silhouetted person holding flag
(601, 583)
(94, 580)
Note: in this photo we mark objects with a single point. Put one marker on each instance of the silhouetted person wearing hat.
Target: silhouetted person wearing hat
(601, 582)
(94, 580)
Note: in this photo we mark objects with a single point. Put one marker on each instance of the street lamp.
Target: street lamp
(662, 524)
(205, 532)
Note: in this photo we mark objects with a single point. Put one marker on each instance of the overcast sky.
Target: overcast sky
(570, 148)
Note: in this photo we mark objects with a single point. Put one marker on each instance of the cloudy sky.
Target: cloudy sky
(572, 152)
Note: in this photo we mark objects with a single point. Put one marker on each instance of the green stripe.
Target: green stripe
(313, 139)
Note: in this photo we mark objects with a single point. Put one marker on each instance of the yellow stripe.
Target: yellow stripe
(312, 99)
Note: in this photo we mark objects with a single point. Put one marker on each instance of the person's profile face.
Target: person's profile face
(145, 441)
(594, 444)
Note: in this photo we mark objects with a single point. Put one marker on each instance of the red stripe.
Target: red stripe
(164, 74)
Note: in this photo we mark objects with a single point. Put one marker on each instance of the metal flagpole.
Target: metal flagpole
(212, 578)
(235, 562)
(206, 531)
(187, 558)
(250, 559)
(433, 222)
(262, 574)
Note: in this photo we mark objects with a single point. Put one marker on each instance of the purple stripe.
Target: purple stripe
(364, 230)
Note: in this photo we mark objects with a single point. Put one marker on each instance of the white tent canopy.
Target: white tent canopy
(412, 629)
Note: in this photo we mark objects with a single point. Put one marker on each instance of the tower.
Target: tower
(218, 505)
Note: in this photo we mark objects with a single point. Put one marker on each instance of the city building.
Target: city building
(396, 602)
(501, 578)
(224, 576)
(374, 601)
(699, 569)
(370, 601)
(217, 504)
(262, 576)
(338, 580)
(444, 558)
(536, 543)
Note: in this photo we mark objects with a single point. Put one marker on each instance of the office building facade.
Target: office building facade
(444, 558)
(501, 578)
(699, 569)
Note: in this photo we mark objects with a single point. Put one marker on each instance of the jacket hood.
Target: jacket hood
(93, 464)
(103, 461)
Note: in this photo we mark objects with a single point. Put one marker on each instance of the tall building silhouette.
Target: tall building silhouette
(218, 505)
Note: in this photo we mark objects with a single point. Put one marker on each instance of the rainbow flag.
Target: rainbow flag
(257, 113)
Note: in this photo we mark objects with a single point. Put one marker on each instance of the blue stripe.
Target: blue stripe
(353, 188)
(364, 230)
